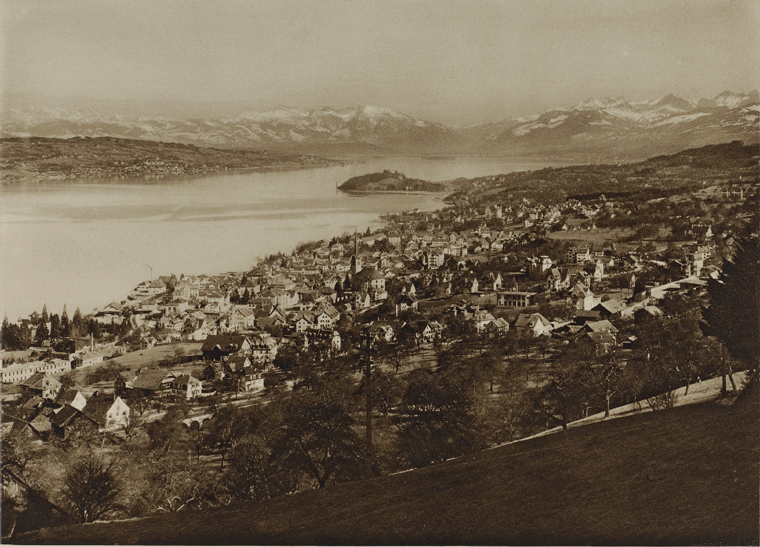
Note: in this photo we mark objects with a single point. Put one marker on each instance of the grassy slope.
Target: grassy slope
(686, 476)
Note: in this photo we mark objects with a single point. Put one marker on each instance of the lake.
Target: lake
(86, 244)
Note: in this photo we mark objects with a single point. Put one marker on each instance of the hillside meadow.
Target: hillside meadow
(688, 475)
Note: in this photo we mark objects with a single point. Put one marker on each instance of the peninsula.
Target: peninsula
(40, 159)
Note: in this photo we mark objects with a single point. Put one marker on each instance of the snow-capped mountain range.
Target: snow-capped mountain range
(613, 126)
(633, 128)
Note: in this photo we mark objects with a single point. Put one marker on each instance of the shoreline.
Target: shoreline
(393, 192)
(377, 223)
(148, 180)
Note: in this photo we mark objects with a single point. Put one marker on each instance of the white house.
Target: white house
(535, 323)
(187, 386)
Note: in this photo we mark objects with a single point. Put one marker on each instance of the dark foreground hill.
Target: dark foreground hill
(684, 476)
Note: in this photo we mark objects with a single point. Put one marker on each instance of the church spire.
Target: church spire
(355, 264)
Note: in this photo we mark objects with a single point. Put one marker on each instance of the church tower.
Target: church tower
(355, 264)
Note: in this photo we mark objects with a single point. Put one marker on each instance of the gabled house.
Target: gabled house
(72, 397)
(304, 321)
(110, 314)
(236, 363)
(327, 318)
(584, 298)
(362, 300)
(68, 419)
(41, 424)
(43, 385)
(422, 332)
(17, 427)
(187, 386)
(483, 320)
(598, 271)
(218, 347)
(492, 281)
(263, 349)
(409, 289)
(600, 326)
(241, 318)
(336, 341)
(381, 331)
(582, 255)
(474, 286)
(498, 327)
(406, 302)
(177, 306)
(610, 309)
(153, 383)
(253, 378)
(108, 413)
(558, 279)
(601, 342)
(534, 324)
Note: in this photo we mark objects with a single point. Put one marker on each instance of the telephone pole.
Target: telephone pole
(368, 375)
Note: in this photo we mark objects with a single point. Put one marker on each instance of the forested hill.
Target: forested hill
(714, 156)
(389, 181)
(48, 159)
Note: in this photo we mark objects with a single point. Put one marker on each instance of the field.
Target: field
(598, 236)
(146, 357)
(684, 476)
(142, 359)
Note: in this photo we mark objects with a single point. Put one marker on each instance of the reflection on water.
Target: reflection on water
(86, 244)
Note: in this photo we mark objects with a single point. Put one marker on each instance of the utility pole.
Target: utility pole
(369, 448)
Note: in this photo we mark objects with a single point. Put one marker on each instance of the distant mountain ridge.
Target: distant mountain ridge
(596, 127)
(620, 127)
(373, 127)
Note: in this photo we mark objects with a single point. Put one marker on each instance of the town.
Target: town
(530, 301)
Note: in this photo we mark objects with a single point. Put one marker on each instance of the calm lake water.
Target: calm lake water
(85, 244)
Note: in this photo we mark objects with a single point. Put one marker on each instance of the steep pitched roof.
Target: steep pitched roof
(12, 426)
(529, 320)
(600, 326)
(369, 274)
(67, 396)
(34, 381)
(600, 338)
(97, 407)
(611, 306)
(150, 379)
(64, 416)
(225, 342)
(237, 362)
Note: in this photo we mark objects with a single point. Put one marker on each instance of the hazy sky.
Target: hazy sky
(456, 62)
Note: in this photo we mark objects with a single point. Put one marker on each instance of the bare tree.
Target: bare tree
(91, 489)
(318, 440)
